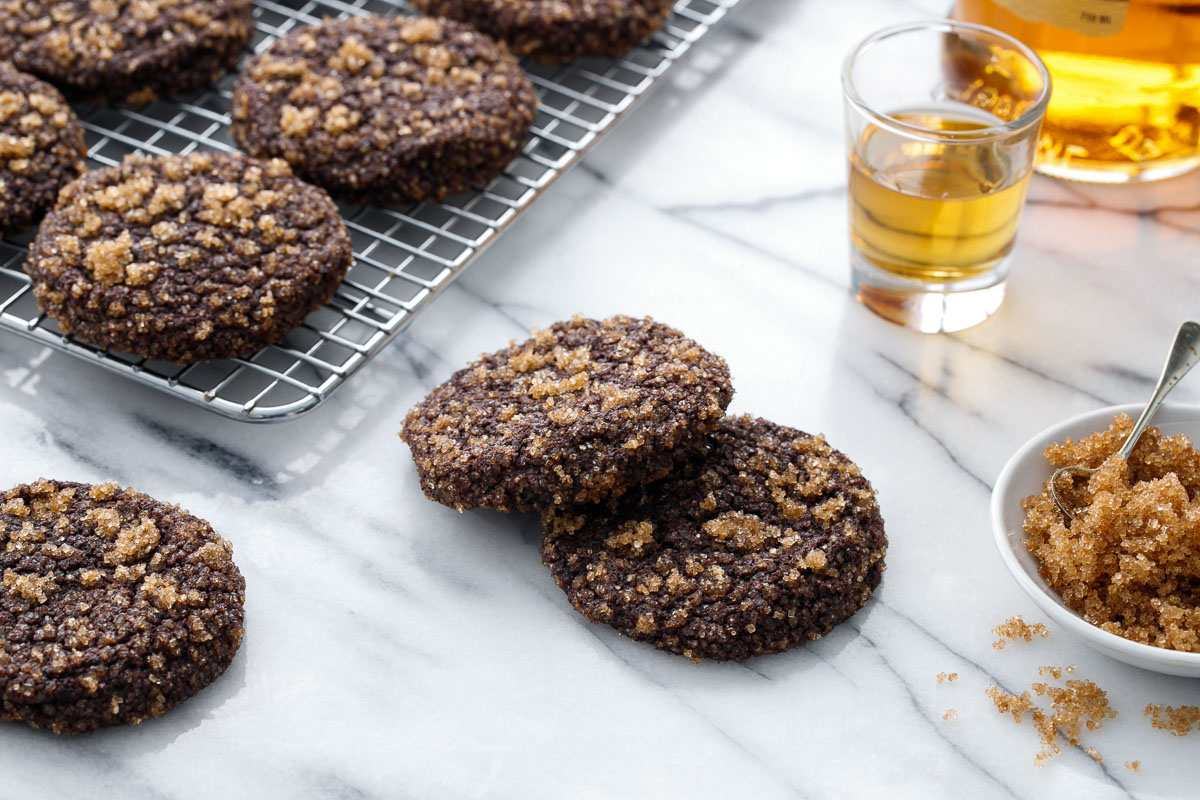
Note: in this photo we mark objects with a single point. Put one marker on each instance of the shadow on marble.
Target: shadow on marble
(259, 460)
(703, 68)
(131, 741)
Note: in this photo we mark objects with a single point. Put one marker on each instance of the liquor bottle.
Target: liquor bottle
(1126, 97)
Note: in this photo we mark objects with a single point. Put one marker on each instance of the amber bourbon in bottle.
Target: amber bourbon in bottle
(1126, 99)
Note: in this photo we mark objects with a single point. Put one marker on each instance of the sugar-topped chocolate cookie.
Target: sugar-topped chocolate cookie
(767, 540)
(135, 50)
(582, 411)
(41, 148)
(386, 109)
(188, 258)
(558, 30)
(114, 607)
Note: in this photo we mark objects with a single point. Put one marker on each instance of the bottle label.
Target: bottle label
(1089, 17)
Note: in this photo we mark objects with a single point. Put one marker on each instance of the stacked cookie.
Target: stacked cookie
(704, 535)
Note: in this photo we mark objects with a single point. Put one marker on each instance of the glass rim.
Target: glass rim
(1031, 116)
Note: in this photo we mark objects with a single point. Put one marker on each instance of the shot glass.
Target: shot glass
(942, 126)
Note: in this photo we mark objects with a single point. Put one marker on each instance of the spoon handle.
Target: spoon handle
(1185, 352)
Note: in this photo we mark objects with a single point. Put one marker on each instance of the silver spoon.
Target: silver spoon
(1185, 352)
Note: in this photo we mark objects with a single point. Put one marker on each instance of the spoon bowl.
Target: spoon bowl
(1185, 352)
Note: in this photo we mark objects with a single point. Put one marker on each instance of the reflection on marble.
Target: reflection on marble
(397, 649)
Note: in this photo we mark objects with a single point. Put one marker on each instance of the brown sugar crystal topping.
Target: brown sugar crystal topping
(578, 413)
(113, 607)
(768, 539)
(1129, 562)
(187, 258)
(386, 109)
(41, 148)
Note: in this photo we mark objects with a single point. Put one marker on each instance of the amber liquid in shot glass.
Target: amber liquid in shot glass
(934, 212)
(942, 124)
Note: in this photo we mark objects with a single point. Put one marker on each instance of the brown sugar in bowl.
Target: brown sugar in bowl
(1024, 475)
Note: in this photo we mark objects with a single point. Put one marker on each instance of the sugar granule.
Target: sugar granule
(1056, 672)
(1016, 628)
(1179, 721)
(1078, 705)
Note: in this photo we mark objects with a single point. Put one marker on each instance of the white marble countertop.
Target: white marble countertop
(395, 648)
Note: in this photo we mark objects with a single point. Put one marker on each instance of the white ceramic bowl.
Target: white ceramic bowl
(1023, 475)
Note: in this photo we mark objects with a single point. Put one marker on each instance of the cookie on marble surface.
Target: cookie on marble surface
(135, 50)
(582, 411)
(386, 109)
(188, 258)
(769, 539)
(114, 607)
(41, 148)
(553, 31)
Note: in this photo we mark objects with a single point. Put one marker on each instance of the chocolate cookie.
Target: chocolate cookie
(766, 541)
(187, 258)
(558, 30)
(386, 109)
(110, 50)
(41, 148)
(114, 607)
(582, 411)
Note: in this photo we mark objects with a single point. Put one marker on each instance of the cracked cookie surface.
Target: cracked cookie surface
(41, 148)
(131, 50)
(114, 607)
(552, 31)
(580, 412)
(386, 109)
(767, 540)
(188, 258)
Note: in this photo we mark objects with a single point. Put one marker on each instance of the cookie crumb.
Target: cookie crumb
(950, 714)
(943, 677)
(1133, 766)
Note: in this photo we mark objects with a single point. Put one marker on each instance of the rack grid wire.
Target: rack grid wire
(404, 255)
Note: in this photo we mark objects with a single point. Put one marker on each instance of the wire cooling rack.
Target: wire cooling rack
(404, 255)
